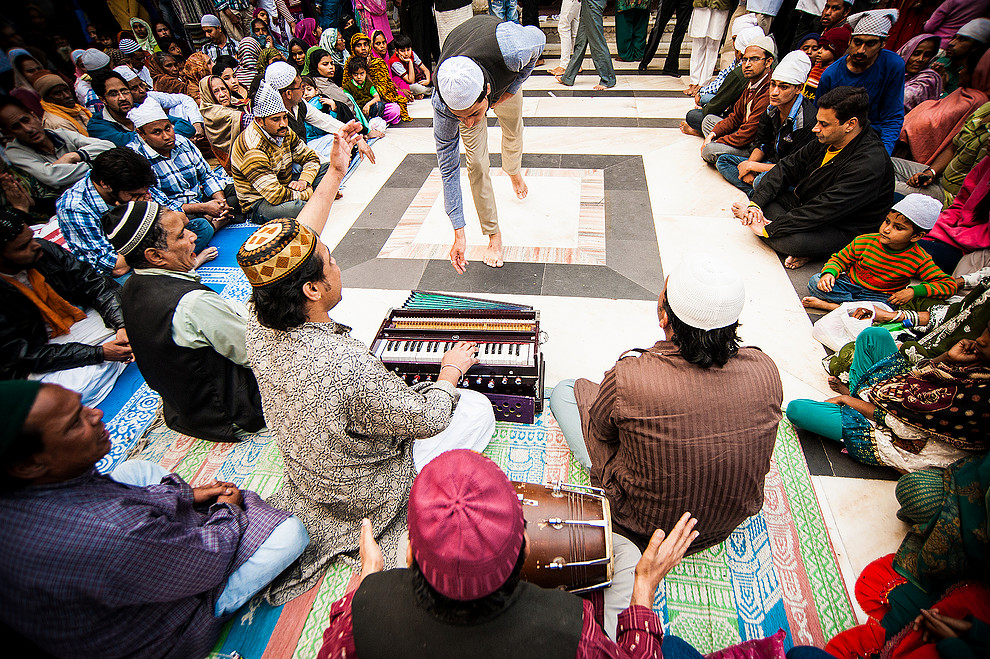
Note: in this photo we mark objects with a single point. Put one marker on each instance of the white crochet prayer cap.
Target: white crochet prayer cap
(126, 72)
(767, 44)
(128, 46)
(209, 20)
(874, 23)
(705, 293)
(922, 210)
(280, 75)
(76, 54)
(460, 81)
(94, 59)
(741, 23)
(977, 29)
(150, 110)
(745, 38)
(793, 69)
(267, 101)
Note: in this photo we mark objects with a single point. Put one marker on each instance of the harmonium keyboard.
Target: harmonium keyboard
(413, 339)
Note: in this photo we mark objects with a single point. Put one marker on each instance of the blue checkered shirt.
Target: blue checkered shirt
(186, 177)
(79, 210)
(90, 567)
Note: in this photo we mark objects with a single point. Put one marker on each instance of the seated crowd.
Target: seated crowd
(871, 159)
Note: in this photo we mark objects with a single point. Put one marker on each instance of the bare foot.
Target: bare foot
(521, 190)
(560, 79)
(795, 262)
(207, 254)
(739, 210)
(692, 90)
(493, 255)
(687, 130)
(600, 87)
(557, 71)
(811, 302)
(836, 385)
(756, 226)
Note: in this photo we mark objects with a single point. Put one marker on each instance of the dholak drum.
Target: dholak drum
(570, 534)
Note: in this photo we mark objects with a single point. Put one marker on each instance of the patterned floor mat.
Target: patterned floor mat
(776, 571)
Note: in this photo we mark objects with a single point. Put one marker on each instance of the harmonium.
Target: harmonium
(413, 339)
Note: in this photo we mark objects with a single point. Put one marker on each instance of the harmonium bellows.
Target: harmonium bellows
(413, 339)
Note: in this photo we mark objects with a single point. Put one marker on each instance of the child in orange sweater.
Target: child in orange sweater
(878, 267)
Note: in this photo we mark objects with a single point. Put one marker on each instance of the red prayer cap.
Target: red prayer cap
(465, 525)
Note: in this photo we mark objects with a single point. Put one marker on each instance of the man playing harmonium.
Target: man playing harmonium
(352, 434)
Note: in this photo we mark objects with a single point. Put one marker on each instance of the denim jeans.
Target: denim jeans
(283, 546)
(203, 229)
(845, 290)
(591, 32)
(728, 166)
(263, 211)
(504, 9)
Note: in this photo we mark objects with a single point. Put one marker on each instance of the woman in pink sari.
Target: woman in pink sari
(374, 17)
(931, 125)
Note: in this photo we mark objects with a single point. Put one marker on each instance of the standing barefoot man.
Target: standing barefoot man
(483, 64)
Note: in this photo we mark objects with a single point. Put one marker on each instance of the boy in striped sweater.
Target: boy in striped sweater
(878, 267)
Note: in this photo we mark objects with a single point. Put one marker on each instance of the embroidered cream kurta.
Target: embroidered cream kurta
(345, 426)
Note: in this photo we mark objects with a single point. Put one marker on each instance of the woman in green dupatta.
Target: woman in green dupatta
(919, 406)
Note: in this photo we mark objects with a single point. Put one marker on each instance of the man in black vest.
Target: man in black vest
(462, 595)
(189, 341)
(483, 65)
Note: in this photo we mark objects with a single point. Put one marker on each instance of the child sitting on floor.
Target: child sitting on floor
(312, 96)
(407, 69)
(362, 90)
(878, 267)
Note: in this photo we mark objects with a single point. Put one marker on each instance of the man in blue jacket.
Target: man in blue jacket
(112, 123)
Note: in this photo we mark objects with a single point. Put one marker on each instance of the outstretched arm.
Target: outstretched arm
(317, 209)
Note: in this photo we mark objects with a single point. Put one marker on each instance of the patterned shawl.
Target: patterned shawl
(927, 83)
(266, 57)
(248, 51)
(222, 123)
(380, 78)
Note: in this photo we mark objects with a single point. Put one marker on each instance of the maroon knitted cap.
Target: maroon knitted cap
(465, 525)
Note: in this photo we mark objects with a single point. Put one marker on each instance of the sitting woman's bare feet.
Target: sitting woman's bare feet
(795, 262)
(519, 187)
(837, 385)
(207, 254)
(687, 130)
(812, 302)
(493, 253)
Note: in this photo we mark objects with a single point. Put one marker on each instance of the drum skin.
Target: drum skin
(567, 531)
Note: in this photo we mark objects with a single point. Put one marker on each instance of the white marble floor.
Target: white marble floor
(690, 205)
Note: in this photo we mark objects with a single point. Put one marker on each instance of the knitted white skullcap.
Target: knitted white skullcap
(94, 59)
(460, 82)
(766, 43)
(268, 101)
(793, 69)
(126, 72)
(150, 110)
(128, 46)
(76, 54)
(704, 293)
(745, 38)
(874, 23)
(209, 20)
(280, 75)
(922, 210)
(977, 29)
(741, 23)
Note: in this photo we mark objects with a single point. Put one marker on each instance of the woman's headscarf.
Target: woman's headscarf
(306, 31)
(351, 31)
(326, 86)
(278, 36)
(266, 57)
(305, 48)
(313, 57)
(148, 43)
(375, 53)
(197, 66)
(248, 51)
(164, 81)
(927, 83)
(930, 126)
(328, 41)
(222, 124)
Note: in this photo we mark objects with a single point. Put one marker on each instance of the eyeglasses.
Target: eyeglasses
(752, 60)
(114, 93)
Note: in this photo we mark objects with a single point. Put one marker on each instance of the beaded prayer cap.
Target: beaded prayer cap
(275, 250)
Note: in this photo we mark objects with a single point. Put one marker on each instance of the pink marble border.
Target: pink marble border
(590, 248)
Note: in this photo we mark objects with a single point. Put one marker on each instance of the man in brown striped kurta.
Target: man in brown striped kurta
(687, 425)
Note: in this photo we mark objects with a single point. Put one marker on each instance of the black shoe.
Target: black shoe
(668, 72)
(643, 66)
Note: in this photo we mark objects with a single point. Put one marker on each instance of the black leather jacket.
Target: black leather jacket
(24, 346)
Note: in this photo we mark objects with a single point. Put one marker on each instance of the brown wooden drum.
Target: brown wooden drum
(570, 534)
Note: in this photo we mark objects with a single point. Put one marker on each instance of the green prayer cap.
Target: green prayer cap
(16, 399)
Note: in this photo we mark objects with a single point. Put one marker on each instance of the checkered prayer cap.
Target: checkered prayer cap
(267, 101)
(275, 250)
(874, 23)
(280, 75)
(128, 46)
(127, 225)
